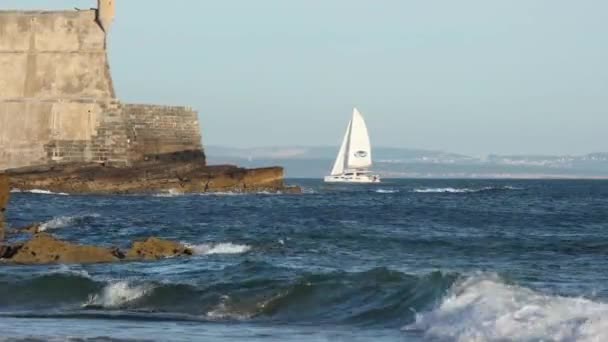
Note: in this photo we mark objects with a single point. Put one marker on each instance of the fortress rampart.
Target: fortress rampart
(57, 99)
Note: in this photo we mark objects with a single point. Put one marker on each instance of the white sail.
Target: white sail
(359, 151)
(340, 160)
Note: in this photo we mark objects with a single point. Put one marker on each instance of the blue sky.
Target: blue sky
(469, 76)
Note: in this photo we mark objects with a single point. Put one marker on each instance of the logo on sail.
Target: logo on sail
(361, 154)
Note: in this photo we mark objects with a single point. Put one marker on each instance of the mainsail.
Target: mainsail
(359, 148)
(355, 151)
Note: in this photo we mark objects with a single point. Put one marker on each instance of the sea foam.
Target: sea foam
(219, 248)
(464, 190)
(64, 221)
(483, 308)
(386, 191)
(39, 192)
(118, 294)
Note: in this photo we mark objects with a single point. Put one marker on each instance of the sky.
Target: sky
(469, 76)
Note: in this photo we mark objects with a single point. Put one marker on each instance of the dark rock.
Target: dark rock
(8, 251)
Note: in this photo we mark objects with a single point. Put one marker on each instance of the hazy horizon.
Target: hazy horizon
(447, 151)
(471, 77)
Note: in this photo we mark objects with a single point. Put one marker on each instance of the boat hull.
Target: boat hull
(360, 179)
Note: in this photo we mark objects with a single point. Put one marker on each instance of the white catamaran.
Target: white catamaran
(355, 156)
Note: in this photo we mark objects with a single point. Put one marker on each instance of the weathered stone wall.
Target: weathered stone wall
(55, 86)
(57, 101)
(51, 55)
(161, 130)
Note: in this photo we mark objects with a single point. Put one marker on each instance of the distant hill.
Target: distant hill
(315, 162)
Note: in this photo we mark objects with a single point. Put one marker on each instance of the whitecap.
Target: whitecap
(386, 191)
(71, 270)
(446, 190)
(483, 308)
(463, 190)
(219, 248)
(63, 221)
(223, 311)
(39, 192)
(169, 193)
(118, 294)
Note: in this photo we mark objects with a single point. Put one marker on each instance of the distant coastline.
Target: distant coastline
(389, 162)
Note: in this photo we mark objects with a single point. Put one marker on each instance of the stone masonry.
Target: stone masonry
(57, 99)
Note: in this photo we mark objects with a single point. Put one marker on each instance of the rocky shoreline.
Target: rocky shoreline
(190, 176)
(43, 248)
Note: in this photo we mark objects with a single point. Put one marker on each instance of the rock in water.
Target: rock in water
(43, 248)
(4, 192)
(154, 248)
(4, 195)
(180, 176)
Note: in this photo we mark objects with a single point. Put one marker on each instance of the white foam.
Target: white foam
(222, 311)
(72, 270)
(463, 190)
(118, 294)
(307, 190)
(169, 193)
(483, 308)
(386, 191)
(40, 192)
(62, 222)
(219, 248)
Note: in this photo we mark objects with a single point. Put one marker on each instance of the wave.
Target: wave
(39, 192)
(465, 190)
(117, 295)
(484, 308)
(219, 248)
(176, 193)
(66, 221)
(440, 306)
(386, 191)
(169, 193)
(250, 291)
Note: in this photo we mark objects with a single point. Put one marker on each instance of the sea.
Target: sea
(404, 260)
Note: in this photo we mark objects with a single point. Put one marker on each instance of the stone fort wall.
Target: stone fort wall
(57, 99)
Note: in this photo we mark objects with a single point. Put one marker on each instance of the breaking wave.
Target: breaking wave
(386, 191)
(484, 308)
(440, 306)
(117, 295)
(176, 193)
(464, 190)
(39, 192)
(219, 248)
(169, 193)
(66, 221)
(247, 291)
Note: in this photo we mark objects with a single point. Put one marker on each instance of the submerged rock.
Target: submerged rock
(155, 248)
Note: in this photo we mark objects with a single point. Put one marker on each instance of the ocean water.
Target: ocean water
(406, 260)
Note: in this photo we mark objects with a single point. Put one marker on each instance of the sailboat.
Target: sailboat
(355, 156)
